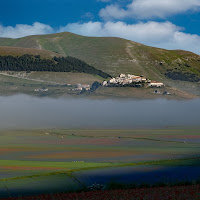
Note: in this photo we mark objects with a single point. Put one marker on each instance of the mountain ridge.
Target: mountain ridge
(176, 68)
(110, 54)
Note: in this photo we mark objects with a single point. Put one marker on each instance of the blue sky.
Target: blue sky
(171, 24)
(53, 12)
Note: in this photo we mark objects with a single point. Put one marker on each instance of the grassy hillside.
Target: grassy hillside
(18, 51)
(116, 55)
(180, 70)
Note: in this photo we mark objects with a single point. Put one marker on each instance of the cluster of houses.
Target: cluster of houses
(41, 90)
(81, 87)
(125, 80)
(131, 79)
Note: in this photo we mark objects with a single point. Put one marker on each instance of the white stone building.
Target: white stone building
(156, 84)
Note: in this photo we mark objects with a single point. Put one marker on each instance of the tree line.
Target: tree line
(183, 76)
(56, 64)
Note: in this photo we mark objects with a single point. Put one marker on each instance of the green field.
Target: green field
(11, 85)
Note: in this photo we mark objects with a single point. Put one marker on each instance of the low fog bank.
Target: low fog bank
(21, 111)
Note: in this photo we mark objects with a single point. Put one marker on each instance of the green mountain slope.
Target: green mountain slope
(18, 51)
(116, 55)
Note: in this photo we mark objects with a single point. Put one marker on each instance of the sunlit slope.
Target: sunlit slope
(116, 55)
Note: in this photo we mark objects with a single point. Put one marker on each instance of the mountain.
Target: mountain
(176, 68)
(116, 55)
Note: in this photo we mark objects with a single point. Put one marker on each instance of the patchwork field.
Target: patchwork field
(34, 156)
(98, 145)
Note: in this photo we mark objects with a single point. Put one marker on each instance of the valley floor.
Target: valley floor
(43, 161)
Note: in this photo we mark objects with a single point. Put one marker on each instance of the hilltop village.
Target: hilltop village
(131, 81)
(124, 80)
